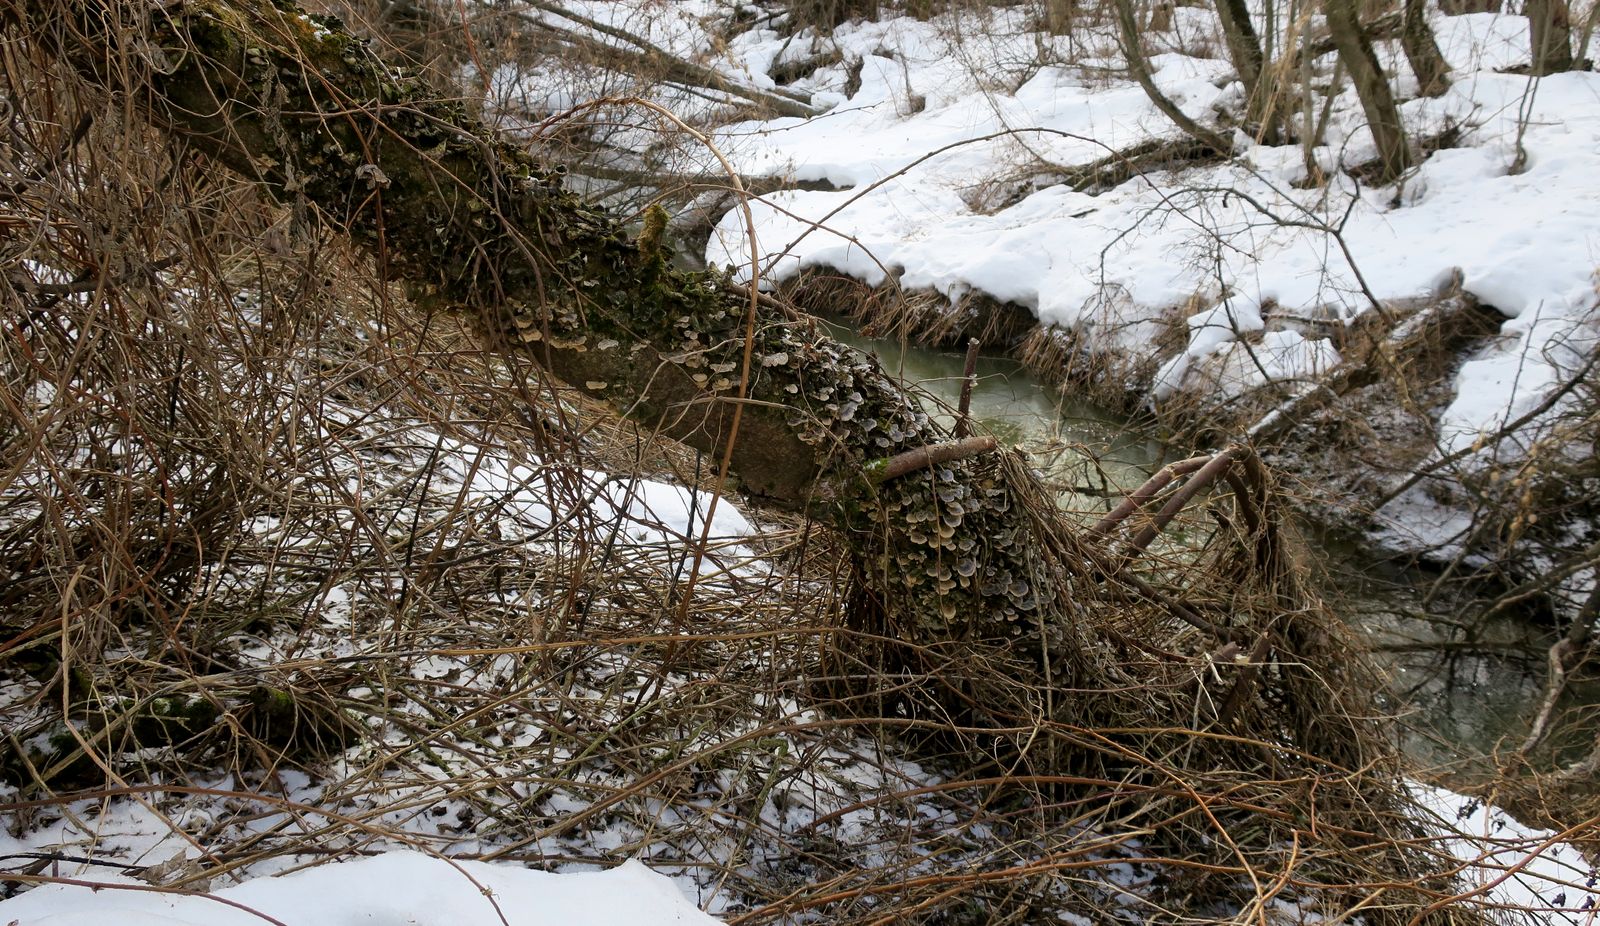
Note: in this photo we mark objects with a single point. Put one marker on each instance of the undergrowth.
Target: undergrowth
(298, 570)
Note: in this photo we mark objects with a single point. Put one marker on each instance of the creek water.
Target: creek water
(1461, 693)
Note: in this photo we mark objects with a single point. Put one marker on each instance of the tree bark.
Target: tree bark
(1244, 48)
(1422, 51)
(1372, 86)
(466, 219)
(1058, 16)
(1550, 36)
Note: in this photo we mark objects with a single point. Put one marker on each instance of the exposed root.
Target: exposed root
(1096, 371)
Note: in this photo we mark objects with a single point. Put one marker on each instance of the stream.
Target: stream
(1461, 693)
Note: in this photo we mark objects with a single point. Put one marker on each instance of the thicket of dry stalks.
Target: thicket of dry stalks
(1351, 437)
(243, 534)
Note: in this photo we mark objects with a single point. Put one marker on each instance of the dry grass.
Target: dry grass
(307, 572)
(1086, 363)
(918, 317)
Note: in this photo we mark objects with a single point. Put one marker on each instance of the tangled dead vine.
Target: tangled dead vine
(1198, 699)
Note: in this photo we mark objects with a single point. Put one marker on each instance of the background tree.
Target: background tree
(1372, 85)
(1139, 67)
(1422, 51)
(1550, 36)
(1244, 48)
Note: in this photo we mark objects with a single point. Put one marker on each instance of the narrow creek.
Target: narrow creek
(1461, 695)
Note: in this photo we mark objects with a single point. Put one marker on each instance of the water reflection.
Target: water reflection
(1465, 690)
(1463, 693)
(1086, 452)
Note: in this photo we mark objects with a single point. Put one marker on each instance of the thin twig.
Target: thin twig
(968, 378)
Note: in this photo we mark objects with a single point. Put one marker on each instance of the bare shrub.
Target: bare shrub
(348, 527)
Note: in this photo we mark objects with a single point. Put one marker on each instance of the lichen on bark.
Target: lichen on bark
(474, 221)
(969, 583)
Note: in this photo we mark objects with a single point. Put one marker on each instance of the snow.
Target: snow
(1512, 865)
(947, 158)
(1503, 863)
(947, 152)
(641, 511)
(1230, 237)
(392, 889)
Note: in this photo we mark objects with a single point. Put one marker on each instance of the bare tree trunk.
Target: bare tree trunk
(1585, 34)
(1550, 36)
(1244, 48)
(632, 52)
(1422, 51)
(1058, 16)
(1372, 86)
(1128, 32)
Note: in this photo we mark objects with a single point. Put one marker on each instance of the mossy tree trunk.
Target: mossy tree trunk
(469, 220)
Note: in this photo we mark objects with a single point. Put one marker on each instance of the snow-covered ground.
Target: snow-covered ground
(1510, 865)
(584, 750)
(394, 889)
(1504, 865)
(944, 154)
(1242, 240)
(939, 151)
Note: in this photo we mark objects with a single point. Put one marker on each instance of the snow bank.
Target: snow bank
(393, 889)
(1248, 238)
(1510, 865)
(642, 510)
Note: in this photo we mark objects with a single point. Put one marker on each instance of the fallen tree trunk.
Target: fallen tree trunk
(468, 220)
(631, 52)
(973, 603)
